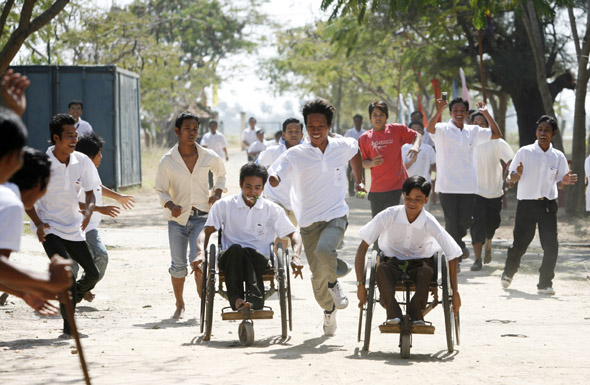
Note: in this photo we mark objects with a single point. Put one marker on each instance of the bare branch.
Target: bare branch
(5, 13)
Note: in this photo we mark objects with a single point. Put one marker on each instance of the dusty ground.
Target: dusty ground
(508, 336)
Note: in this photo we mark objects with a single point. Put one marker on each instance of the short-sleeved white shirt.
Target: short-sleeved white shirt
(587, 172)
(96, 216)
(353, 133)
(254, 227)
(249, 135)
(256, 147)
(456, 171)
(12, 213)
(318, 180)
(83, 127)
(215, 142)
(59, 206)
(541, 171)
(281, 193)
(404, 240)
(426, 157)
(489, 168)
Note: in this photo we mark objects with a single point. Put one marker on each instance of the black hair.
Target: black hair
(253, 169)
(319, 106)
(278, 134)
(14, 132)
(74, 102)
(417, 123)
(89, 144)
(185, 116)
(251, 118)
(212, 122)
(56, 125)
(458, 100)
(381, 106)
(417, 112)
(36, 169)
(290, 121)
(417, 181)
(549, 119)
(357, 116)
(477, 113)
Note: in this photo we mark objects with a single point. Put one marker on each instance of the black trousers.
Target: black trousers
(458, 209)
(529, 214)
(79, 252)
(243, 265)
(382, 200)
(350, 177)
(486, 218)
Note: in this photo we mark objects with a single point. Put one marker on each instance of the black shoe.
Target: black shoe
(477, 265)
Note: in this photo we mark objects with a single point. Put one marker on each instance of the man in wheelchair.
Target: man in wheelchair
(408, 237)
(249, 224)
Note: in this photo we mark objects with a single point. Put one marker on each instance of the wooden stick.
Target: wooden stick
(67, 300)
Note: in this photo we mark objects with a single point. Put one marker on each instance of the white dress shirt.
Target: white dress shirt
(318, 180)
(254, 227)
(256, 147)
(456, 171)
(404, 240)
(281, 193)
(215, 142)
(425, 158)
(83, 127)
(249, 135)
(541, 171)
(12, 214)
(489, 168)
(353, 133)
(174, 181)
(59, 206)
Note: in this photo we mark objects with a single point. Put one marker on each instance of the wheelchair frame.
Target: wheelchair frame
(405, 286)
(277, 275)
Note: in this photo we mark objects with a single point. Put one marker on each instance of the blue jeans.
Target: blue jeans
(180, 237)
(98, 251)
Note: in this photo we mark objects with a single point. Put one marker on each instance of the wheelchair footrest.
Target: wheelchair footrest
(414, 329)
(231, 315)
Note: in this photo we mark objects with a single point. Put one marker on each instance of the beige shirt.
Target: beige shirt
(174, 181)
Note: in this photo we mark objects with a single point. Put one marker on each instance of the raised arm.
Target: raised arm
(496, 133)
(440, 107)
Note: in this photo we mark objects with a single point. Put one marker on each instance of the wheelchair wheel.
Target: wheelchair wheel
(246, 333)
(405, 343)
(447, 305)
(204, 292)
(370, 301)
(288, 275)
(362, 309)
(282, 291)
(210, 294)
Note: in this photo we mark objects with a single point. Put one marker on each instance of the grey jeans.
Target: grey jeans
(321, 240)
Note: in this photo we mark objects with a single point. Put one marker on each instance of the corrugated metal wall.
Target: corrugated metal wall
(111, 105)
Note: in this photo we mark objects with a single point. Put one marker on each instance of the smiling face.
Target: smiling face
(76, 111)
(318, 129)
(252, 188)
(544, 134)
(66, 144)
(414, 203)
(188, 131)
(458, 114)
(293, 134)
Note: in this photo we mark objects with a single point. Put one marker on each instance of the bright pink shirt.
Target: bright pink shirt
(391, 174)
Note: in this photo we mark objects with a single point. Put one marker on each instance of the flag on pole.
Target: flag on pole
(421, 109)
(410, 103)
(464, 91)
(402, 110)
(456, 93)
(436, 89)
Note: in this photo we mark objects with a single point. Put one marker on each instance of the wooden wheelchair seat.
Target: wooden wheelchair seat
(414, 329)
(227, 314)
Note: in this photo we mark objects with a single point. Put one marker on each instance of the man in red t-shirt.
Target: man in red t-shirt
(381, 151)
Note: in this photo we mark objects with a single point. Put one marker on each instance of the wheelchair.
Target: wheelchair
(277, 276)
(403, 288)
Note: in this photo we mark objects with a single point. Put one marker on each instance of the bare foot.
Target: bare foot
(89, 296)
(179, 313)
(240, 304)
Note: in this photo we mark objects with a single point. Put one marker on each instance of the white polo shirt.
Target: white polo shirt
(281, 193)
(59, 206)
(83, 127)
(404, 240)
(426, 157)
(96, 216)
(318, 180)
(249, 135)
(12, 214)
(174, 181)
(541, 171)
(456, 171)
(254, 227)
(256, 147)
(353, 133)
(489, 168)
(215, 142)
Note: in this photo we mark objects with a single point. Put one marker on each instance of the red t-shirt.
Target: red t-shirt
(391, 174)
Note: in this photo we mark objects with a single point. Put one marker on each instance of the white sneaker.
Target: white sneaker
(330, 323)
(547, 291)
(338, 296)
(506, 281)
(393, 321)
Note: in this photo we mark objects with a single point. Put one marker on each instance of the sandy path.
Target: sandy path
(132, 340)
